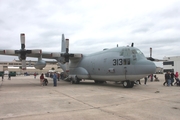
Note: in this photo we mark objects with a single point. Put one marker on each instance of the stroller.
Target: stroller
(45, 82)
(156, 78)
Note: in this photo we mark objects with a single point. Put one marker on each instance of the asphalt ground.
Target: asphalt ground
(22, 98)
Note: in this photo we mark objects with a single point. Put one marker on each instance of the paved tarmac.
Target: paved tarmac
(22, 98)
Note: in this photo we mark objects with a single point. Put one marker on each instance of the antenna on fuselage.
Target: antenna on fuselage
(150, 52)
(117, 45)
(132, 44)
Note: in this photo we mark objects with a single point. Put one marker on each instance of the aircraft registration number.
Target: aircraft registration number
(117, 62)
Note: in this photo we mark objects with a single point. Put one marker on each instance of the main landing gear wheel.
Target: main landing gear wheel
(75, 80)
(128, 84)
(131, 84)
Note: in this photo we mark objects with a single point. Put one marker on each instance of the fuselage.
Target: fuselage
(116, 64)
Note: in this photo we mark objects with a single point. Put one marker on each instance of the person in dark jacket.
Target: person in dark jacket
(167, 76)
(145, 80)
(9, 76)
(172, 78)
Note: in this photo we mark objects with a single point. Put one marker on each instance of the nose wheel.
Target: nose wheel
(128, 84)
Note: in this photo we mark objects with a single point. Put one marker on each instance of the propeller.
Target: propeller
(66, 55)
(150, 58)
(23, 52)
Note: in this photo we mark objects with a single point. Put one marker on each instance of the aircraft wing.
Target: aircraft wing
(36, 54)
(64, 56)
(155, 60)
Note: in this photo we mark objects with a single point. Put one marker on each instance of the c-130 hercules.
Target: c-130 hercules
(119, 64)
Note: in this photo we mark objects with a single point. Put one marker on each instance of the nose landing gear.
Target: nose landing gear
(128, 84)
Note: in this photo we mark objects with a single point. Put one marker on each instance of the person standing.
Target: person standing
(145, 80)
(58, 76)
(35, 75)
(2, 76)
(41, 79)
(166, 79)
(55, 79)
(172, 78)
(176, 78)
(151, 77)
(9, 76)
(168, 76)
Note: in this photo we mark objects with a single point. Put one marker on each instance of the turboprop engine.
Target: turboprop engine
(40, 64)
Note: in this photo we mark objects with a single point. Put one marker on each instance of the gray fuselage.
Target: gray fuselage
(116, 64)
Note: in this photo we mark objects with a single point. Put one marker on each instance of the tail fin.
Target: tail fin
(63, 44)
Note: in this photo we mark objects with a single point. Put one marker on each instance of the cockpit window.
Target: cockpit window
(139, 52)
(121, 53)
(136, 51)
(126, 52)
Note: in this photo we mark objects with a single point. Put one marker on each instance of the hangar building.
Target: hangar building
(172, 64)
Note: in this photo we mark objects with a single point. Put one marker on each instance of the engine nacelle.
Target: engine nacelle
(21, 57)
(40, 64)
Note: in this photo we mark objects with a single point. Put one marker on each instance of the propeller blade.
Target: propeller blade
(150, 52)
(78, 55)
(67, 45)
(36, 51)
(67, 66)
(23, 62)
(9, 51)
(55, 55)
(22, 36)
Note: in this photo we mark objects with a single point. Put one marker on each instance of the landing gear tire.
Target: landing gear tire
(95, 81)
(126, 84)
(131, 84)
(72, 81)
(75, 80)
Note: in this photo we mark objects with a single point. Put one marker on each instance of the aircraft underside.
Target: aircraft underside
(127, 81)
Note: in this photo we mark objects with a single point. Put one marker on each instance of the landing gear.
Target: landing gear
(97, 81)
(128, 84)
(131, 84)
(75, 80)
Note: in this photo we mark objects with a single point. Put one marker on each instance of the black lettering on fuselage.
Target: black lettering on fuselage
(117, 62)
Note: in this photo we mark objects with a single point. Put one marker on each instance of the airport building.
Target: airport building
(14, 66)
(172, 64)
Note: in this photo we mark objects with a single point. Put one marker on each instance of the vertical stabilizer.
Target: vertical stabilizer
(63, 44)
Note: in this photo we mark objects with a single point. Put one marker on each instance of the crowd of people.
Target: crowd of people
(9, 76)
(170, 77)
(44, 81)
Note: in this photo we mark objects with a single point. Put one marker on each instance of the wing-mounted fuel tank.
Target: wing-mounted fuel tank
(40, 64)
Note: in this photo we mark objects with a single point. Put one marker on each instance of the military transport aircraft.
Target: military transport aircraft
(120, 64)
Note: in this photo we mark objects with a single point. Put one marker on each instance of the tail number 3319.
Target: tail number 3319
(117, 62)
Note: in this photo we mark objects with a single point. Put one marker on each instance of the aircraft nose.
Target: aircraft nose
(145, 67)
